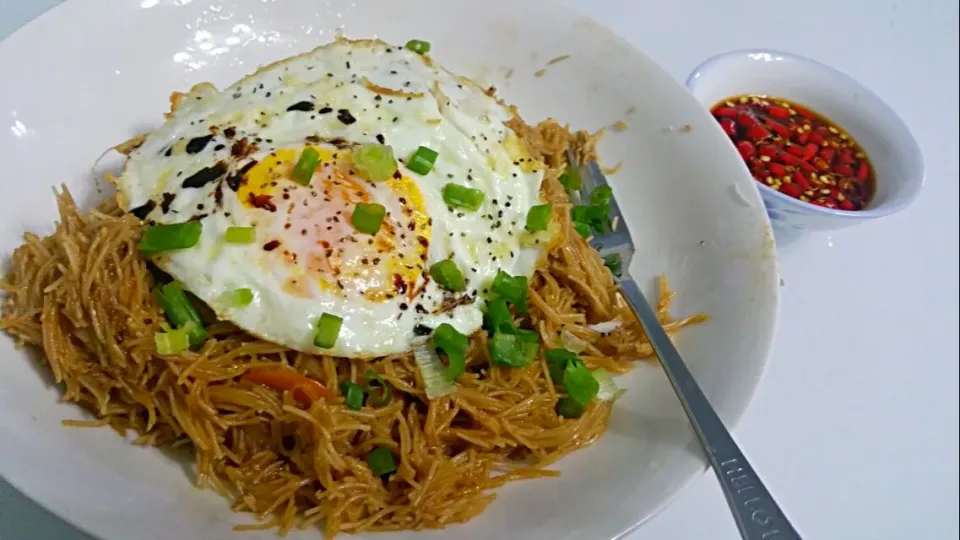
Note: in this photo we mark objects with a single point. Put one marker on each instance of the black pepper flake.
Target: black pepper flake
(168, 152)
(144, 210)
(218, 147)
(167, 201)
(422, 329)
(301, 106)
(344, 116)
(381, 139)
(205, 175)
(420, 309)
(271, 245)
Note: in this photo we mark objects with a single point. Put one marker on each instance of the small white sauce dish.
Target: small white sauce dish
(892, 150)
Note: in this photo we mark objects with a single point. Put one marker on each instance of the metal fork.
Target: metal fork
(757, 515)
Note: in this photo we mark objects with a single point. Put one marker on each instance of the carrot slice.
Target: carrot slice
(304, 389)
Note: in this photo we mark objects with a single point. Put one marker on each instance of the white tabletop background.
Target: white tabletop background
(855, 425)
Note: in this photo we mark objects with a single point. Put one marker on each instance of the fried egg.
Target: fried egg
(225, 157)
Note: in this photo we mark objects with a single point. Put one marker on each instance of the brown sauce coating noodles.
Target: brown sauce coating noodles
(83, 296)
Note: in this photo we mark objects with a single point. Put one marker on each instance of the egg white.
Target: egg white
(395, 96)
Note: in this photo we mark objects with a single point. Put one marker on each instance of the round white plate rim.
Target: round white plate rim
(50, 17)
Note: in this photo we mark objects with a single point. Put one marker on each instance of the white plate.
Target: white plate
(91, 73)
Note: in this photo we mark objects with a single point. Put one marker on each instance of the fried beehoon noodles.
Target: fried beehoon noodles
(84, 296)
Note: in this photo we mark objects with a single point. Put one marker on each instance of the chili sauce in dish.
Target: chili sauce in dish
(798, 152)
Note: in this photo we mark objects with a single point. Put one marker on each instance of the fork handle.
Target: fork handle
(756, 512)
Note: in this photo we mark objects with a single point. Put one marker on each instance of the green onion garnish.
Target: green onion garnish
(169, 237)
(531, 343)
(367, 217)
(462, 197)
(422, 160)
(557, 360)
(381, 462)
(579, 382)
(180, 312)
(570, 179)
(498, 317)
(614, 263)
(538, 218)
(507, 350)
(580, 213)
(375, 162)
(172, 342)
(352, 395)
(328, 329)
(378, 389)
(582, 229)
(598, 216)
(511, 288)
(436, 376)
(417, 46)
(240, 235)
(454, 345)
(601, 196)
(306, 165)
(609, 391)
(236, 298)
(569, 408)
(448, 275)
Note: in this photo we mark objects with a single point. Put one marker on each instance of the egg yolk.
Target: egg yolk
(309, 233)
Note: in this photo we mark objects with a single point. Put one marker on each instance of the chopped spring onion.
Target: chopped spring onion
(454, 345)
(572, 342)
(614, 263)
(448, 275)
(378, 389)
(328, 329)
(579, 382)
(538, 218)
(236, 298)
(463, 197)
(570, 179)
(507, 350)
(530, 340)
(169, 237)
(172, 342)
(435, 380)
(352, 395)
(580, 213)
(582, 229)
(557, 360)
(367, 217)
(421, 162)
(180, 312)
(609, 391)
(511, 288)
(306, 165)
(599, 217)
(304, 388)
(601, 196)
(569, 408)
(381, 461)
(240, 235)
(590, 215)
(417, 46)
(375, 162)
(498, 317)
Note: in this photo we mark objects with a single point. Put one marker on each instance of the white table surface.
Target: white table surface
(855, 425)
